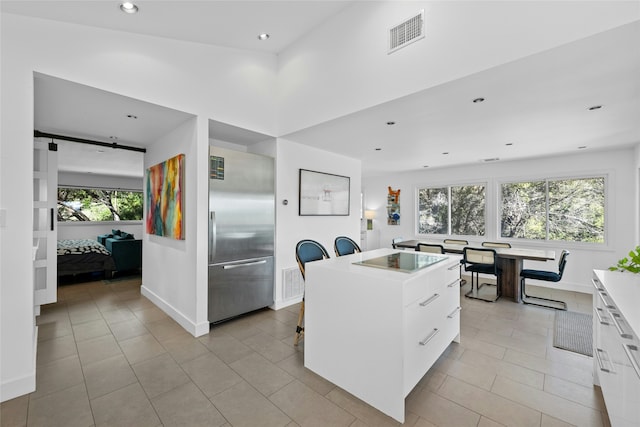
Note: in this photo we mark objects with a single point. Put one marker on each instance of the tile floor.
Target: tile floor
(108, 357)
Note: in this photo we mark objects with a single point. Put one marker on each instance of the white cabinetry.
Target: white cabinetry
(376, 332)
(616, 343)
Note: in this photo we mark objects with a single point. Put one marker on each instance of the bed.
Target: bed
(83, 256)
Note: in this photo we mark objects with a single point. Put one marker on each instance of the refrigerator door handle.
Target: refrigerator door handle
(212, 236)
(246, 264)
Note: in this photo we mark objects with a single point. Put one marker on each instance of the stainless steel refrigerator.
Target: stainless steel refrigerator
(241, 233)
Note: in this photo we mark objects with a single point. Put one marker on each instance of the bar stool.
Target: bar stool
(343, 245)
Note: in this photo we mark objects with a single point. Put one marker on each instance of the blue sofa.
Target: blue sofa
(124, 248)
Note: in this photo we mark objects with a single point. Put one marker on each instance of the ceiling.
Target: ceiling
(536, 106)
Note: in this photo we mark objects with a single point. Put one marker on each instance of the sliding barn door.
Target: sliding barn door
(45, 227)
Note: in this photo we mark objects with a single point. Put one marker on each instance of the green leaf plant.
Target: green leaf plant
(632, 263)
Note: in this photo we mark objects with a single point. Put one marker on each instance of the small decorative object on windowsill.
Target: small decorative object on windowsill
(632, 263)
(370, 216)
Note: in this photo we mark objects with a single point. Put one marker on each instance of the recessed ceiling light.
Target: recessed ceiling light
(446, 152)
(391, 123)
(99, 150)
(131, 116)
(509, 143)
(425, 166)
(595, 107)
(128, 7)
(378, 149)
(582, 147)
(263, 36)
(478, 100)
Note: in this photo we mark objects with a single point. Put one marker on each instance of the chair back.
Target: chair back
(455, 242)
(309, 250)
(345, 246)
(479, 256)
(427, 247)
(396, 240)
(496, 244)
(562, 262)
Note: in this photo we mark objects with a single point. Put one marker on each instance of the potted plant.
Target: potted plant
(632, 263)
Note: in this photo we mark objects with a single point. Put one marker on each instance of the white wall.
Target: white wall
(232, 86)
(618, 165)
(291, 228)
(462, 38)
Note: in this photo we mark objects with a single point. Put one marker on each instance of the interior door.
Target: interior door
(45, 229)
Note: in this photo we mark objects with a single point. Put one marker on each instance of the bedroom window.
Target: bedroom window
(99, 204)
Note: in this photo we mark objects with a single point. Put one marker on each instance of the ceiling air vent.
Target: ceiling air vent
(407, 32)
(492, 159)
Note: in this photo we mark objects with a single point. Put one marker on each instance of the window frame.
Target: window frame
(109, 222)
(608, 183)
(448, 185)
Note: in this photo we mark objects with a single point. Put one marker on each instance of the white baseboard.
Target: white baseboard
(195, 329)
(282, 304)
(25, 384)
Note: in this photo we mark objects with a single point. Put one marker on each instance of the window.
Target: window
(92, 204)
(560, 210)
(452, 210)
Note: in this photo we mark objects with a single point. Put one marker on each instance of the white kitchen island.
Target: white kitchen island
(375, 330)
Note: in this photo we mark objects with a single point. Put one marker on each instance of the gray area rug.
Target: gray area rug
(574, 332)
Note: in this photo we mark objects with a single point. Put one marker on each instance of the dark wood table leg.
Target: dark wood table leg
(510, 270)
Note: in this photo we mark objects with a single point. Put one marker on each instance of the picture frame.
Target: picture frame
(323, 194)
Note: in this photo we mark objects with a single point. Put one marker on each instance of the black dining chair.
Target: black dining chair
(306, 251)
(395, 241)
(462, 244)
(547, 276)
(481, 261)
(343, 245)
(428, 247)
(496, 244)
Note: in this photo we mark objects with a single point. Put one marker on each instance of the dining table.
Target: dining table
(510, 262)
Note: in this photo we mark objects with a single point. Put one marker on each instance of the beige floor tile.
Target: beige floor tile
(241, 328)
(270, 347)
(226, 347)
(97, 349)
(432, 381)
(465, 372)
(306, 407)
(567, 371)
(160, 374)
(47, 331)
(489, 404)
(107, 375)
(65, 408)
(534, 345)
(242, 405)
(165, 329)
(486, 422)
(13, 413)
(90, 329)
(150, 314)
(547, 403)
(128, 406)
(57, 375)
(56, 348)
(84, 313)
(128, 329)
(117, 315)
(584, 395)
(294, 365)
(364, 412)
(275, 328)
(548, 421)
(500, 367)
(186, 406)
(440, 411)
(493, 350)
(184, 348)
(421, 422)
(141, 348)
(263, 375)
(211, 374)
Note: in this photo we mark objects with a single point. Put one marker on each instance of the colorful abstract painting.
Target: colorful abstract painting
(164, 198)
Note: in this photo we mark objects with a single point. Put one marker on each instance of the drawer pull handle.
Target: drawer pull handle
(622, 333)
(602, 368)
(600, 319)
(429, 337)
(429, 300)
(597, 285)
(452, 284)
(628, 348)
(454, 312)
(604, 301)
(454, 266)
